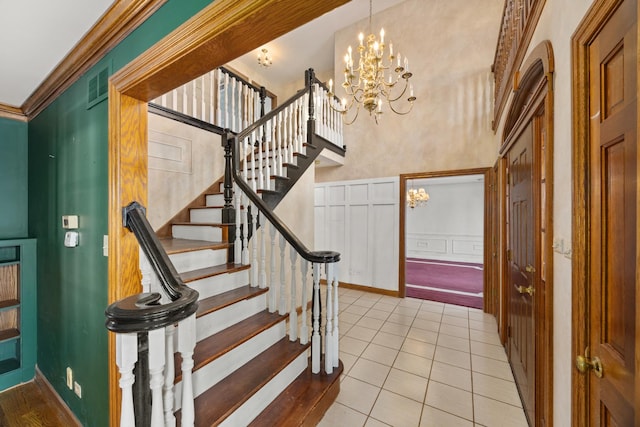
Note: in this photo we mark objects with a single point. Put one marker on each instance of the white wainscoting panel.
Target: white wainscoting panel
(445, 247)
(360, 219)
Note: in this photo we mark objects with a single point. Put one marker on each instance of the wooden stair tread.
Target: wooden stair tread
(201, 273)
(225, 299)
(226, 340)
(219, 401)
(303, 402)
(176, 246)
(208, 224)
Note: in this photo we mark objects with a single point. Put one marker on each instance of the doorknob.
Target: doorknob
(584, 363)
(523, 290)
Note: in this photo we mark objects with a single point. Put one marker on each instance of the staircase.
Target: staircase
(252, 352)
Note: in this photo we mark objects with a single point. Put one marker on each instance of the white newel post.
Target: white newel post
(126, 358)
(293, 310)
(186, 345)
(169, 376)
(304, 329)
(315, 339)
(328, 333)
(156, 381)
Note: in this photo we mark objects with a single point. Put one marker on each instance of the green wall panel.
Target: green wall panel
(13, 179)
(68, 175)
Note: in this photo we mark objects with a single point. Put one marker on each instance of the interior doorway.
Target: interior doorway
(441, 256)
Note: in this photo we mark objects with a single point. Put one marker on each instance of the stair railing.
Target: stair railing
(280, 134)
(145, 325)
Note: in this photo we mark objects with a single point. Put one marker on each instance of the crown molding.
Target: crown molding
(118, 22)
(10, 112)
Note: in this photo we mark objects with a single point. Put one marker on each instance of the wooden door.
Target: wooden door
(613, 196)
(521, 257)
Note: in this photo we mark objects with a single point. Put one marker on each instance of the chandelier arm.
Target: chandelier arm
(344, 114)
(400, 112)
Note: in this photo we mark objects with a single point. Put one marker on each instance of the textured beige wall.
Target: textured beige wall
(177, 180)
(450, 45)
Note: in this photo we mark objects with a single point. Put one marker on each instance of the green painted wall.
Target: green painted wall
(13, 179)
(68, 173)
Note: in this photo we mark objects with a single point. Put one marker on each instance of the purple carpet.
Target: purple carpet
(450, 282)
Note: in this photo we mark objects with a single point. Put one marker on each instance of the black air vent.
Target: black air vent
(98, 87)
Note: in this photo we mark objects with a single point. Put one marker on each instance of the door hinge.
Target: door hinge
(508, 254)
(509, 331)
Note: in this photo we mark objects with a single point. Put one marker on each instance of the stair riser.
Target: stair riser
(252, 407)
(197, 232)
(211, 215)
(215, 199)
(217, 370)
(195, 260)
(214, 285)
(218, 320)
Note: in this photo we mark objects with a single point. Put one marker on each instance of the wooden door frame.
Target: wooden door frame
(402, 257)
(587, 30)
(219, 33)
(533, 91)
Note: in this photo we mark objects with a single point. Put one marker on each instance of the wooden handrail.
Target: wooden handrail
(144, 312)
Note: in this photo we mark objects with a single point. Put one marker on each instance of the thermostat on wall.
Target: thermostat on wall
(70, 221)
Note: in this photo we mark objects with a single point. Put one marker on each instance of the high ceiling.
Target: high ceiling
(38, 34)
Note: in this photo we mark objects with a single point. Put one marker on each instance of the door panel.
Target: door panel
(613, 195)
(521, 245)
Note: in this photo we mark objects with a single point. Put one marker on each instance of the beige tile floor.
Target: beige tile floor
(410, 363)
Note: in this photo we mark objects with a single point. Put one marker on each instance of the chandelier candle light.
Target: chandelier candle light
(367, 85)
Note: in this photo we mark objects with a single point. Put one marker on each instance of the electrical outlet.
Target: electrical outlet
(77, 389)
(69, 378)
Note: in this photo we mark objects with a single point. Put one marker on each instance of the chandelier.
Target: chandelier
(264, 59)
(417, 197)
(366, 84)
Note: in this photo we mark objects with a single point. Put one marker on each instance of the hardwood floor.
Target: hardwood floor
(33, 405)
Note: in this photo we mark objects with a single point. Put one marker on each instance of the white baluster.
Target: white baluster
(246, 144)
(263, 254)
(261, 176)
(305, 116)
(273, 286)
(304, 329)
(185, 99)
(164, 100)
(203, 105)
(126, 358)
(218, 80)
(315, 313)
(174, 99)
(255, 266)
(169, 376)
(328, 333)
(237, 243)
(186, 345)
(274, 151)
(211, 97)
(156, 380)
(254, 183)
(267, 161)
(240, 89)
(226, 108)
(291, 134)
(336, 331)
(234, 125)
(283, 298)
(245, 231)
(194, 99)
(285, 136)
(293, 309)
(280, 142)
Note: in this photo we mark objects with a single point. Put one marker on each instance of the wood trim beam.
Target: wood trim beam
(220, 32)
(587, 30)
(118, 22)
(14, 113)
